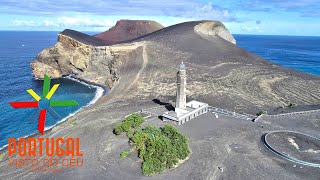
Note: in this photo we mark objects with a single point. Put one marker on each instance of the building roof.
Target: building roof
(178, 114)
(195, 104)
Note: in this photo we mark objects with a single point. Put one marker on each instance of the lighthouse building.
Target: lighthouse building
(184, 111)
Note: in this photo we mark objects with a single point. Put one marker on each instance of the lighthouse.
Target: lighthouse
(184, 111)
(181, 87)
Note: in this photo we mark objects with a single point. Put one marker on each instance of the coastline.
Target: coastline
(87, 83)
(100, 91)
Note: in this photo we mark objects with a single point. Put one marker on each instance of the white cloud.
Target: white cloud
(17, 22)
(83, 22)
(66, 22)
(210, 11)
(48, 23)
(251, 28)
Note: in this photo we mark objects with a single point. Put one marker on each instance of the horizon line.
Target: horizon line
(3, 30)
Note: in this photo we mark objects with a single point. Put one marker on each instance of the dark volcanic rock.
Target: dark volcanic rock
(84, 38)
(129, 29)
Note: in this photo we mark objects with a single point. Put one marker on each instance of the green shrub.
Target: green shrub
(151, 166)
(125, 126)
(291, 105)
(160, 148)
(123, 154)
(261, 112)
(135, 120)
(130, 133)
(131, 122)
(151, 130)
(118, 130)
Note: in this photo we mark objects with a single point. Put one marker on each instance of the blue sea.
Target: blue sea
(297, 52)
(18, 49)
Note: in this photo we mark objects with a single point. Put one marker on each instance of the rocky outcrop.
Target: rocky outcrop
(214, 28)
(68, 56)
(79, 55)
(125, 30)
(40, 68)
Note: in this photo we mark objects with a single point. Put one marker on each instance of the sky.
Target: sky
(262, 17)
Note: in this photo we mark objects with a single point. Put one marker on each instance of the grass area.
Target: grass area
(159, 148)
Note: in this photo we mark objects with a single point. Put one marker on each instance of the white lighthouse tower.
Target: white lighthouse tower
(184, 111)
(181, 87)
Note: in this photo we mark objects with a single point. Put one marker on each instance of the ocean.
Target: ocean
(18, 49)
(297, 52)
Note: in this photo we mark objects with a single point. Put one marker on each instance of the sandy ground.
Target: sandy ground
(222, 148)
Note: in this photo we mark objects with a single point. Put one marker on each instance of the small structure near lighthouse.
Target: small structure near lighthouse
(184, 111)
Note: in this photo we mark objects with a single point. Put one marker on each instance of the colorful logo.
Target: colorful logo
(44, 103)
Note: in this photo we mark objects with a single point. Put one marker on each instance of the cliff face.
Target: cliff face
(95, 64)
(214, 28)
(82, 56)
(129, 29)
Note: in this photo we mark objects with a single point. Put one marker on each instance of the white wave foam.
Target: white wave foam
(99, 93)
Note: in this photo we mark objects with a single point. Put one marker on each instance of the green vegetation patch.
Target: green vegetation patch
(159, 148)
(129, 124)
(70, 120)
(123, 154)
(261, 112)
(2, 156)
(291, 105)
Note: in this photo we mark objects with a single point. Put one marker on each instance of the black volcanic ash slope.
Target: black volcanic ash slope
(84, 38)
(219, 72)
